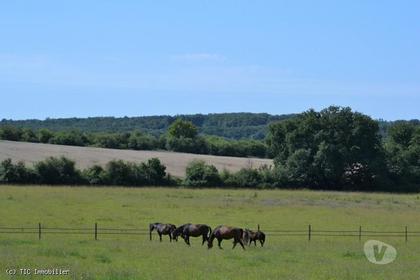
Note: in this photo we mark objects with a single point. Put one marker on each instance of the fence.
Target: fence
(309, 233)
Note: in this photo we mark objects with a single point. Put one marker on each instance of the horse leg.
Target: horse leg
(170, 238)
(220, 243)
(204, 239)
(150, 232)
(234, 244)
(240, 242)
(160, 236)
(262, 243)
(255, 242)
(186, 239)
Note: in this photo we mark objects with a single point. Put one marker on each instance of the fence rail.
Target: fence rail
(310, 232)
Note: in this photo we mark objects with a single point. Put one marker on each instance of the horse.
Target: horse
(252, 236)
(179, 232)
(226, 232)
(195, 230)
(162, 229)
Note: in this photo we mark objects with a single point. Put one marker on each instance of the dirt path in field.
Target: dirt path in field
(87, 156)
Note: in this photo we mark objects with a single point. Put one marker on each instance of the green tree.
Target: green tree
(16, 173)
(200, 174)
(318, 148)
(45, 135)
(182, 129)
(95, 175)
(403, 154)
(58, 171)
(154, 171)
(11, 133)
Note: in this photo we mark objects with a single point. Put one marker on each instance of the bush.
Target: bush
(187, 145)
(10, 133)
(45, 135)
(16, 173)
(58, 171)
(246, 178)
(123, 173)
(139, 141)
(73, 138)
(95, 175)
(154, 171)
(199, 174)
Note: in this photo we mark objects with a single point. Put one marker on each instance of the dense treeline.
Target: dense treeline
(334, 149)
(171, 141)
(228, 125)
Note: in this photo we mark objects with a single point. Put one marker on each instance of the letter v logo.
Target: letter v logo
(378, 252)
(379, 255)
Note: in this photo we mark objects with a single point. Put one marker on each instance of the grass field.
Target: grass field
(87, 156)
(135, 257)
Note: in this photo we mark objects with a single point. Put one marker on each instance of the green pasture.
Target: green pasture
(135, 257)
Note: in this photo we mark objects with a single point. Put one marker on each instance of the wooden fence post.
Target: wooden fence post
(406, 233)
(39, 231)
(96, 231)
(360, 233)
(309, 232)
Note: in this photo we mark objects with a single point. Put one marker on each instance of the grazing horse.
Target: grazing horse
(194, 230)
(225, 232)
(252, 236)
(179, 232)
(162, 229)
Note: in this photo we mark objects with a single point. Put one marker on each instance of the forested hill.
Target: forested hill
(229, 125)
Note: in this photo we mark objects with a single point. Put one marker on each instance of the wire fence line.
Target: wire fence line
(309, 232)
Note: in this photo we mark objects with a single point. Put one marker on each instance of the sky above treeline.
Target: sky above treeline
(136, 58)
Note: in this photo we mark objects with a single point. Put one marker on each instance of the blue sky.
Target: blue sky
(133, 58)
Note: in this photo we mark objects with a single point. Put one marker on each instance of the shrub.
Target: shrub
(45, 135)
(123, 173)
(95, 175)
(154, 171)
(58, 171)
(246, 177)
(199, 174)
(16, 173)
(11, 133)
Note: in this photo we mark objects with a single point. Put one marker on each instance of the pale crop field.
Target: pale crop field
(84, 157)
(135, 257)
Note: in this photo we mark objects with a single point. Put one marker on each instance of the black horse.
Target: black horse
(252, 236)
(194, 230)
(162, 229)
(225, 232)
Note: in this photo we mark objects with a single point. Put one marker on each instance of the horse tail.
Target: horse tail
(209, 233)
(210, 239)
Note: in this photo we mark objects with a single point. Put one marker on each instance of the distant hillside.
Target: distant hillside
(229, 125)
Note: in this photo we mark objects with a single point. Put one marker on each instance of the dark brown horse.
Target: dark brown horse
(194, 230)
(226, 232)
(162, 229)
(179, 232)
(252, 236)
